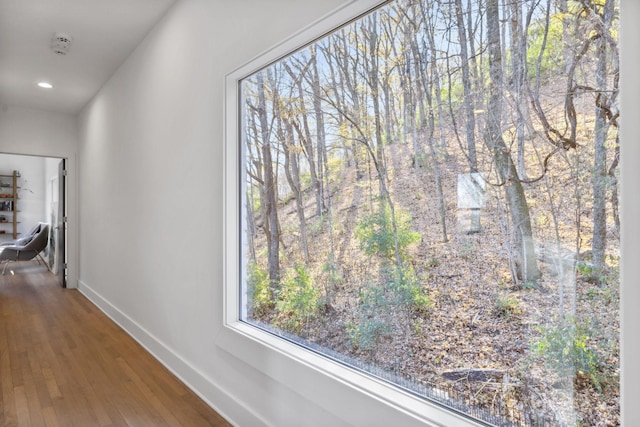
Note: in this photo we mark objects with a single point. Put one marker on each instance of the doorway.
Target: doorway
(40, 198)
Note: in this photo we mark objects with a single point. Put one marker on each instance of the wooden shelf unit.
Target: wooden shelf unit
(9, 202)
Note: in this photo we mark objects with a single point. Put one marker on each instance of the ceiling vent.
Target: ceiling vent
(60, 43)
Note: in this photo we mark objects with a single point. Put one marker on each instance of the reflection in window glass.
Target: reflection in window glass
(431, 196)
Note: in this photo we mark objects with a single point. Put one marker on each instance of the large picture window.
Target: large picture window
(429, 194)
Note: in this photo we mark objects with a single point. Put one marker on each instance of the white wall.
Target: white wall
(42, 133)
(151, 209)
(50, 174)
(151, 196)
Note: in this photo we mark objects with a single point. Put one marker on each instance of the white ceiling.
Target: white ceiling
(103, 32)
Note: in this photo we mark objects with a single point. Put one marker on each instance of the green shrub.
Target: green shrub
(370, 320)
(378, 302)
(259, 291)
(364, 334)
(565, 349)
(375, 232)
(409, 291)
(584, 269)
(330, 268)
(298, 300)
(540, 33)
(506, 306)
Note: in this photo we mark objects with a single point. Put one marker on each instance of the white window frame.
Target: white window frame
(351, 395)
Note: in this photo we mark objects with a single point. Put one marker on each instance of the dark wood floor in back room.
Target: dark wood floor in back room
(64, 363)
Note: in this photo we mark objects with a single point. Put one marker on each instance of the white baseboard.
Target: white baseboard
(214, 396)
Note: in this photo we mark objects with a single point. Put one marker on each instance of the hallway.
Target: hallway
(64, 363)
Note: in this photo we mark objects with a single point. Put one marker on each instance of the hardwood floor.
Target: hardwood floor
(64, 363)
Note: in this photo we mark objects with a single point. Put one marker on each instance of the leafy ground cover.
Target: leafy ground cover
(455, 320)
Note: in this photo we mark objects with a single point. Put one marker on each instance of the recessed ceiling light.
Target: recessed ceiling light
(45, 85)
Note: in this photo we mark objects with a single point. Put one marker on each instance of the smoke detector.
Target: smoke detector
(60, 43)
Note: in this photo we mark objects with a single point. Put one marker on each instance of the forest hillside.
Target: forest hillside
(431, 197)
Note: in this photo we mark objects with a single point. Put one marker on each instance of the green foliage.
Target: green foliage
(468, 250)
(377, 304)
(298, 300)
(364, 334)
(552, 57)
(370, 321)
(601, 295)
(433, 262)
(530, 284)
(318, 225)
(592, 293)
(253, 200)
(506, 306)
(375, 232)
(591, 274)
(421, 160)
(259, 290)
(333, 276)
(305, 179)
(456, 93)
(335, 165)
(565, 349)
(584, 269)
(408, 290)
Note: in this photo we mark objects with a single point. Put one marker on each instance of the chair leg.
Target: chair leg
(39, 258)
(5, 267)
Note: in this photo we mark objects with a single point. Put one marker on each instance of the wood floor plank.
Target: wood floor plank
(22, 406)
(7, 417)
(51, 383)
(50, 417)
(63, 363)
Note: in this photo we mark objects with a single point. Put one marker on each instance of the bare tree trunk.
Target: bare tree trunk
(434, 81)
(332, 245)
(468, 93)
(613, 180)
(319, 114)
(414, 57)
(518, 69)
(371, 63)
(386, 101)
(601, 131)
(428, 80)
(390, 36)
(307, 141)
(251, 227)
(270, 191)
(503, 33)
(254, 169)
(292, 172)
(347, 62)
(526, 264)
(404, 76)
(567, 53)
(437, 169)
(476, 53)
(338, 91)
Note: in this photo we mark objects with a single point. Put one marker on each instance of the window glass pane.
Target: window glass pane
(431, 196)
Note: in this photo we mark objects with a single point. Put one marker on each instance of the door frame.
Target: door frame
(71, 208)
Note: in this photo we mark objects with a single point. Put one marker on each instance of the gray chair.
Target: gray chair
(25, 248)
